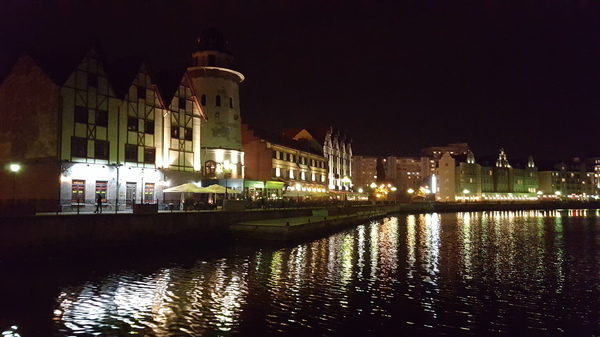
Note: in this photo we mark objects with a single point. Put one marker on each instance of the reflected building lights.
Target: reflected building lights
(411, 239)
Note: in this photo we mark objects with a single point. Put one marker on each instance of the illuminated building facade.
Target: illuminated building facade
(110, 129)
(436, 152)
(574, 179)
(217, 87)
(336, 148)
(461, 178)
(278, 166)
(405, 172)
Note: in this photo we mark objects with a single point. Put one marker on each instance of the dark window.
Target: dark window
(92, 80)
(131, 153)
(101, 190)
(149, 127)
(218, 103)
(275, 154)
(101, 149)
(81, 114)
(231, 102)
(181, 103)
(141, 92)
(101, 118)
(149, 155)
(78, 147)
(203, 100)
(212, 60)
(175, 132)
(187, 134)
(210, 167)
(132, 124)
(78, 191)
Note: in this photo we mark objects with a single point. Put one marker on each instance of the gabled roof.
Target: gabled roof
(122, 72)
(280, 139)
(167, 82)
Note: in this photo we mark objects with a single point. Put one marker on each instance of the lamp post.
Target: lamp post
(14, 168)
(226, 174)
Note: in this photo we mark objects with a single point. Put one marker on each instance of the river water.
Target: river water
(524, 273)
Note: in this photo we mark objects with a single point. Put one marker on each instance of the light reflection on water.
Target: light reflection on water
(495, 273)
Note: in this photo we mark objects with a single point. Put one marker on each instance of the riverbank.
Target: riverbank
(70, 233)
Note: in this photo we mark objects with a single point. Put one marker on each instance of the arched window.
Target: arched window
(210, 167)
(218, 100)
(203, 100)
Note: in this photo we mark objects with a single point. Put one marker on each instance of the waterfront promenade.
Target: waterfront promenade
(71, 232)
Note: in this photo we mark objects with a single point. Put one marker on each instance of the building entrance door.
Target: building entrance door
(130, 194)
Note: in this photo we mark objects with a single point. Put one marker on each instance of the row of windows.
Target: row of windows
(78, 191)
(82, 115)
(131, 154)
(302, 160)
(79, 149)
(298, 175)
(133, 124)
(187, 133)
(217, 101)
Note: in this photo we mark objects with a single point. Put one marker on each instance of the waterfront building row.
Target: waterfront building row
(460, 178)
(88, 126)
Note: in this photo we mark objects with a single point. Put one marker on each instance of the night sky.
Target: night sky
(395, 76)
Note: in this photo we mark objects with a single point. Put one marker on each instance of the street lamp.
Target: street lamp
(14, 168)
(465, 192)
(227, 168)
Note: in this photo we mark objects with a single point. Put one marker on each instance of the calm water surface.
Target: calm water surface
(462, 274)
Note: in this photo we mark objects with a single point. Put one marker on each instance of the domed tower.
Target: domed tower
(217, 88)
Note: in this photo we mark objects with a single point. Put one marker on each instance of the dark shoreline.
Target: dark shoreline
(71, 233)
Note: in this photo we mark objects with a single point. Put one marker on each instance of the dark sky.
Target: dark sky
(395, 76)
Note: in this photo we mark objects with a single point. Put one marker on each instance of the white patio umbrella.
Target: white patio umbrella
(185, 188)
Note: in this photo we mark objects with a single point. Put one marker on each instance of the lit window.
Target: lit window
(210, 167)
(187, 134)
(175, 132)
(148, 192)
(78, 191)
(132, 124)
(101, 190)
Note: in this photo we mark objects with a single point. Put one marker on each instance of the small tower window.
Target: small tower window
(203, 100)
(92, 80)
(231, 102)
(141, 91)
(181, 103)
(218, 103)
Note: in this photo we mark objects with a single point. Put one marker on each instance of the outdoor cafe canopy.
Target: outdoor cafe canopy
(215, 188)
(185, 188)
